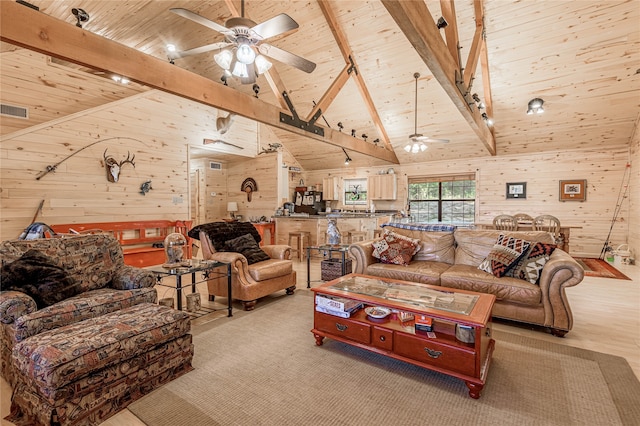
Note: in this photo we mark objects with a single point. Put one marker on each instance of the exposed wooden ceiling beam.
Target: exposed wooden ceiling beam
(332, 92)
(59, 39)
(347, 54)
(451, 30)
(476, 46)
(415, 21)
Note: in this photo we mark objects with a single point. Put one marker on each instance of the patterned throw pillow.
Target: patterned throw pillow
(395, 248)
(530, 266)
(505, 254)
(246, 245)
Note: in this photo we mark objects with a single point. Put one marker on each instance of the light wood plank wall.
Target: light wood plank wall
(78, 191)
(634, 194)
(603, 170)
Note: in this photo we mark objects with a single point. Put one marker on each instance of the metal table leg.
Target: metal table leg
(229, 289)
(179, 291)
(308, 267)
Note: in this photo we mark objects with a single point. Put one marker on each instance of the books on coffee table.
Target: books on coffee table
(337, 306)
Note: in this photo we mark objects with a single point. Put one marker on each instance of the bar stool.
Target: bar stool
(356, 236)
(300, 236)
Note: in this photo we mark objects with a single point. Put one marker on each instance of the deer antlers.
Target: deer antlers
(113, 167)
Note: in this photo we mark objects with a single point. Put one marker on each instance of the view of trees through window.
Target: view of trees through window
(442, 200)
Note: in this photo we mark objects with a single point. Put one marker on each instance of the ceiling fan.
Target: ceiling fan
(246, 37)
(220, 142)
(417, 140)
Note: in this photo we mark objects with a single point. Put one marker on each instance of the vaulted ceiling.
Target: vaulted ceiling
(581, 57)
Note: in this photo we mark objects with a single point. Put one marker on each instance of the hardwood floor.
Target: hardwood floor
(606, 319)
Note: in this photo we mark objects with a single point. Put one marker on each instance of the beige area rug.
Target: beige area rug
(263, 368)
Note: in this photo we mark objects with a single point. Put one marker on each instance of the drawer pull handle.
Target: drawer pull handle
(341, 327)
(382, 338)
(432, 353)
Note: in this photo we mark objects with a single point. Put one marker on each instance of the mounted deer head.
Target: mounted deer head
(113, 167)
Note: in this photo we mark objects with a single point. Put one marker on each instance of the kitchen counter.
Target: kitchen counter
(336, 215)
(316, 225)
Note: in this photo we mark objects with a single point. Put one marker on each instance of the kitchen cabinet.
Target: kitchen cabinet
(330, 188)
(382, 187)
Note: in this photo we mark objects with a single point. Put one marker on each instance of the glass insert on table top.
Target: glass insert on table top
(413, 294)
(339, 247)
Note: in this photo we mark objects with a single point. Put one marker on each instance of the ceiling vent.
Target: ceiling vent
(14, 111)
(213, 165)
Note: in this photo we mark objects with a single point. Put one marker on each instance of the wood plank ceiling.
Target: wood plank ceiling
(580, 57)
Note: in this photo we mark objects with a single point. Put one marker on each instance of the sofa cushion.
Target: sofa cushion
(271, 268)
(40, 277)
(247, 246)
(395, 248)
(83, 306)
(529, 267)
(505, 254)
(466, 277)
(418, 271)
(436, 241)
(473, 246)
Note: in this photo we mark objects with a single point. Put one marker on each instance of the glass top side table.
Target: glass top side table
(339, 248)
(207, 267)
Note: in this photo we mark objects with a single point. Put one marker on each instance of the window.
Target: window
(355, 192)
(443, 199)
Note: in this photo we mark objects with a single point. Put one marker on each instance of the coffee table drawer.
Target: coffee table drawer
(343, 327)
(436, 354)
(382, 338)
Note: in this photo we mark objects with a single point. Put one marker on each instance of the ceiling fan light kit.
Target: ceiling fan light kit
(246, 39)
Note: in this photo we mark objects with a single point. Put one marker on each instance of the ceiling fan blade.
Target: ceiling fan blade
(198, 50)
(287, 57)
(220, 142)
(417, 137)
(200, 20)
(277, 25)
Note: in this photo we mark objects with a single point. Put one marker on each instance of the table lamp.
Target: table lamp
(232, 208)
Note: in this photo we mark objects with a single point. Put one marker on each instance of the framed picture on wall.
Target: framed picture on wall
(573, 190)
(517, 190)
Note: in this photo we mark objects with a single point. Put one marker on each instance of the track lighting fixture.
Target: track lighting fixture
(340, 126)
(80, 15)
(256, 89)
(486, 119)
(376, 141)
(364, 136)
(535, 106)
(476, 99)
(442, 23)
(348, 159)
(353, 132)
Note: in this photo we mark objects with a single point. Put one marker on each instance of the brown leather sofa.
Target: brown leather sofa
(249, 282)
(451, 259)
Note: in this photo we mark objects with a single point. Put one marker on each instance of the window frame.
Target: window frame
(441, 202)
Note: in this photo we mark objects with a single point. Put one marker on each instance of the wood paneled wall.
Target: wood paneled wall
(634, 194)
(603, 170)
(78, 190)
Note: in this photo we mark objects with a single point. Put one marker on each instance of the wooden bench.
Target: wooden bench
(141, 240)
